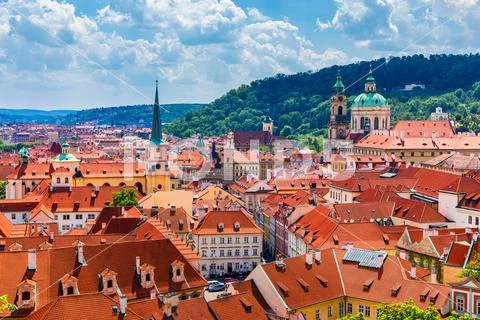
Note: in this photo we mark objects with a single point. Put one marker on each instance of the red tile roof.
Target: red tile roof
(210, 223)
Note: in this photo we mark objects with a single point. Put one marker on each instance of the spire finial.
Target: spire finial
(370, 71)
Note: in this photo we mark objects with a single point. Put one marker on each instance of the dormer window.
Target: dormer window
(108, 281)
(236, 226)
(147, 274)
(15, 247)
(69, 285)
(178, 271)
(26, 294)
(220, 226)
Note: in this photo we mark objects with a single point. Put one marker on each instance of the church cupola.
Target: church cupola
(268, 124)
(339, 87)
(65, 147)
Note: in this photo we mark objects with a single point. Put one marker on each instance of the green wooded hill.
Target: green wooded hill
(140, 115)
(299, 105)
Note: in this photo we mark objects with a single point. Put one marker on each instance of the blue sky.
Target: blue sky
(85, 53)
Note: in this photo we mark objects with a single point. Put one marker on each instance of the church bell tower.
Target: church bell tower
(338, 124)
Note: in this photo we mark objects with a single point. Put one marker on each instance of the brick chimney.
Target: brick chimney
(32, 259)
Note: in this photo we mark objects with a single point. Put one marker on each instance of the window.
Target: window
(222, 240)
(367, 311)
(58, 180)
(329, 310)
(237, 239)
(66, 180)
(212, 241)
(66, 217)
(341, 309)
(70, 290)
(237, 252)
(245, 240)
(110, 283)
(204, 240)
(65, 227)
(229, 253)
(317, 314)
(255, 252)
(14, 216)
(91, 216)
(255, 239)
(25, 295)
(245, 252)
(478, 307)
(222, 253)
(204, 253)
(55, 217)
(469, 219)
(360, 308)
(79, 216)
(148, 277)
(349, 308)
(476, 221)
(213, 253)
(460, 303)
(229, 240)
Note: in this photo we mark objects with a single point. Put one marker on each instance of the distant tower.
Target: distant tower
(369, 110)
(228, 151)
(157, 171)
(268, 125)
(338, 125)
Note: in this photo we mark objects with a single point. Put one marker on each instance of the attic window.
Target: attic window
(236, 226)
(220, 226)
(395, 289)
(434, 296)
(283, 288)
(322, 280)
(304, 284)
(88, 171)
(335, 239)
(386, 239)
(424, 294)
(367, 284)
(247, 305)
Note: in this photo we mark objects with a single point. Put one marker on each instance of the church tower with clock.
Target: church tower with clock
(338, 124)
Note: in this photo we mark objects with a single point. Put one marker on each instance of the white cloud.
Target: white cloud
(323, 25)
(402, 27)
(198, 50)
(110, 16)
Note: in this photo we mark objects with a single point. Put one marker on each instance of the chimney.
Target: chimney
(104, 224)
(153, 294)
(413, 271)
(123, 212)
(173, 209)
(32, 259)
(380, 260)
(51, 236)
(123, 304)
(318, 256)
(81, 257)
(309, 258)
(137, 264)
(475, 237)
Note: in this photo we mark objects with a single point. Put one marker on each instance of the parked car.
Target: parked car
(229, 280)
(215, 286)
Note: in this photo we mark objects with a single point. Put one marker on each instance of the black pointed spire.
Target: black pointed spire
(156, 136)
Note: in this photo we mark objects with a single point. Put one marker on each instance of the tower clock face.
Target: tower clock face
(342, 133)
(340, 98)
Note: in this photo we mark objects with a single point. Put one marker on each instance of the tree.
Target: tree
(5, 305)
(473, 268)
(407, 310)
(286, 131)
(3, 185)
(125, 198)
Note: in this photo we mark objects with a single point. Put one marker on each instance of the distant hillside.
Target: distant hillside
(298, 103)
(129, 115)
(32, 116)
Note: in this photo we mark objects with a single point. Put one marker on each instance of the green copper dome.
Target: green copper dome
(66, 157)
(23, 152)
(339, 87)
(370, 99)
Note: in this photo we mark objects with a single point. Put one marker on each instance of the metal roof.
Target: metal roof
(366, 258)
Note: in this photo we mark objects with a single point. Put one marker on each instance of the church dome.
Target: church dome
(370, 99)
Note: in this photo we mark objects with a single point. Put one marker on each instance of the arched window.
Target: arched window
(375, 123)
(362, 123)
(66, 180)
(340, 110)
(58, 180)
